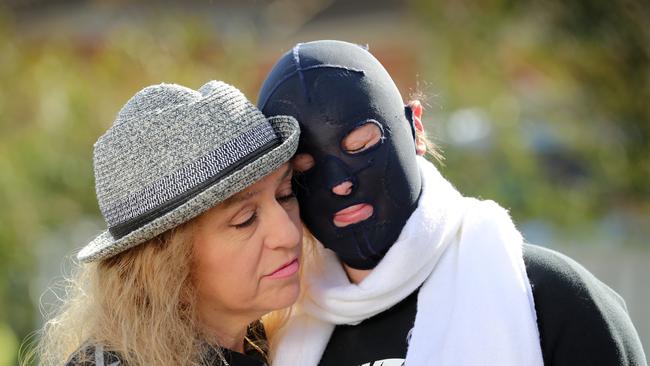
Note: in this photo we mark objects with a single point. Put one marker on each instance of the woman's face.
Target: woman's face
(247, 250)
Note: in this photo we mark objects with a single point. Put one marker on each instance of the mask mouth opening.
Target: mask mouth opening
(353, 214)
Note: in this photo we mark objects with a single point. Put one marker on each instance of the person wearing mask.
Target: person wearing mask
(410, 271)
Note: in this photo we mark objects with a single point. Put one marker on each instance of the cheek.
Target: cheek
(224, 275)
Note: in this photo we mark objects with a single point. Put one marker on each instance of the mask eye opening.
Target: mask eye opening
(302, 163)
(363, 137)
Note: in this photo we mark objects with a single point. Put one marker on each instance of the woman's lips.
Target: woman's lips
(286, 270)
(353, 214)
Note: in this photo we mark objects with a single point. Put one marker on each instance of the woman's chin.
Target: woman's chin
(285, 296)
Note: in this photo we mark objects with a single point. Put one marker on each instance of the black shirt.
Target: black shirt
(382, 337)
(581, 321)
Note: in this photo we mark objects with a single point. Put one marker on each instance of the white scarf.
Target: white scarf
(475, 306)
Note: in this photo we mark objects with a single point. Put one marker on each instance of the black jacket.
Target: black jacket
(581, 321)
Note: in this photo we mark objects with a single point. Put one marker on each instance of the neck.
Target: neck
(229, 330)
(356, 275)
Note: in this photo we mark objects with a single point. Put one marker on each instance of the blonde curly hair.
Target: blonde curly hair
(139, 304)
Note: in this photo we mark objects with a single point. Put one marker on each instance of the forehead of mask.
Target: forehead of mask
(334, 84)
(337, 103)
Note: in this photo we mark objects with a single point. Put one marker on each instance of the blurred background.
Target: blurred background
(543, 106)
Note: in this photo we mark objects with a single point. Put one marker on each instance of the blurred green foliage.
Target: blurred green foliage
(58, 96)
(564, 88)
(8, 343)
(556, 94)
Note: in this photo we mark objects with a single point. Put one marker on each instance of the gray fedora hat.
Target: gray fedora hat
(173, 153)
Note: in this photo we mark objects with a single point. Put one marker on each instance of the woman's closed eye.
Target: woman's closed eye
(244, 221)
(248, 218)
(287, 197)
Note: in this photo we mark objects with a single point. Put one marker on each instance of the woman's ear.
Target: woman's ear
(416, 109)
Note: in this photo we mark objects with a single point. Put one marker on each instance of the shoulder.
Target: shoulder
(580, 319)
(91, 355)
(557, 276)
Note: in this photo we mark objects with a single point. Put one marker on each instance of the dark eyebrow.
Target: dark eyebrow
(241, 196)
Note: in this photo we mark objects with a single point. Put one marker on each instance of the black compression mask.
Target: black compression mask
(331, 88)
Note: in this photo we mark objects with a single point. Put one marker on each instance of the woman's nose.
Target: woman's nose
(285, 230)
(343, 189)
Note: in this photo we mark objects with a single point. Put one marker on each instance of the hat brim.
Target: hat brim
(286, 127)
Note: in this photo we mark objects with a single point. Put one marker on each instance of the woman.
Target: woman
(203, 235)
